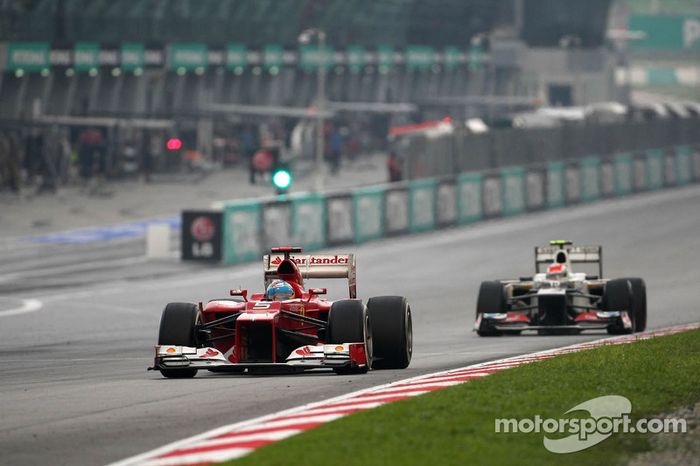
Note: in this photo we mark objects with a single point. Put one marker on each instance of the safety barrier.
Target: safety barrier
(430, 155)
(315, 221)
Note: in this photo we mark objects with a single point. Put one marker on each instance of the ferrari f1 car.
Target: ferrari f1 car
(558, 300)
(261, 333)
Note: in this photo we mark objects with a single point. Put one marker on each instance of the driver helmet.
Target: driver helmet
(279, 290)
(556, 271)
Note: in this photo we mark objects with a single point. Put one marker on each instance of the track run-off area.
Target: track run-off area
(73, 380)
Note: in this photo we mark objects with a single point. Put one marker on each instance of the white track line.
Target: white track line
(239, 439)
(27, 306)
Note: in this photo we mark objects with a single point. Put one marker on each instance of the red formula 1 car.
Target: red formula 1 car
(304, 331)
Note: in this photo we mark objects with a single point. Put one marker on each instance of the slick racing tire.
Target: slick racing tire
(392, 332)
(177, 328)
(617, 297)
(639, 303)
(348, 322)
(492, 298)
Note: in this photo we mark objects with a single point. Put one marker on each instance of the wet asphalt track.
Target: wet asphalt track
(73, 384)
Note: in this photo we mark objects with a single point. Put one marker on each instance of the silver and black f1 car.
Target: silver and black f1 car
(558, 300)
(299, 331)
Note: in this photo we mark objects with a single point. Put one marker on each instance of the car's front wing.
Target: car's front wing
(304, 357)
(585, 321)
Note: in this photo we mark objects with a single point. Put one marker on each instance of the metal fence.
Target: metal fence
(461, 151)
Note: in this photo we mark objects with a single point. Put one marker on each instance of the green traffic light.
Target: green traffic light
(282, 179)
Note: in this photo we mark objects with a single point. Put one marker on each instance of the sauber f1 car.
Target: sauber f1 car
(303, 331)
(558, 300)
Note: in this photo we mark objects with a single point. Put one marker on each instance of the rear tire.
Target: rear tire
(392, 332)
(348, 322)
(616, 297)
(492, 299)
(177, 327)
(639, 303)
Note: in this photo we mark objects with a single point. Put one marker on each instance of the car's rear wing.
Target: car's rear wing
(316, 266)
(577, 255)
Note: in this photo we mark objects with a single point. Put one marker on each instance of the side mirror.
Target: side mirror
(243, 293)
(318, 291)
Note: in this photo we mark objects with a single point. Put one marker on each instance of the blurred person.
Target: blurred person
(15, 162)
(394, 167)
(33, 148)
(352, 143)
(151, 148)
(8, 176)
(52, 157)
(262, 163)
(64, 158)
(249, 146)
(335, 149)
(89, 145)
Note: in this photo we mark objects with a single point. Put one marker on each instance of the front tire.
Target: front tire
(392, 332)
(639, 303)
(178, 328)
(348, 322)
(492, 299)
(616, 298)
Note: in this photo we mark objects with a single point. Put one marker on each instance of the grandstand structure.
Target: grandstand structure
(172, 60)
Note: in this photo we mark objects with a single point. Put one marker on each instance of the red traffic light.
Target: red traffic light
(174, 144)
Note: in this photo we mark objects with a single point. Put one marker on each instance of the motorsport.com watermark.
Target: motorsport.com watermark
(607, 415)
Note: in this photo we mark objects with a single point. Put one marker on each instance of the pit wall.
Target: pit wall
(315, 221)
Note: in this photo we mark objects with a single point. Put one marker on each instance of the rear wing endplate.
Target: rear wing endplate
(316, 266)
(577, 255)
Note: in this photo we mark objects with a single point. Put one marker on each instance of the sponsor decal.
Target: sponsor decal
(304, 351)
(211, 353)
(324, 260)
(201, 235)
(556, 268)
(607, 415)
(339, 348)
(203, 228)
(297, 308)
(170, 350)
(231, 354)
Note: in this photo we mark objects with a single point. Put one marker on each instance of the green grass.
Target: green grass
(455, 426)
